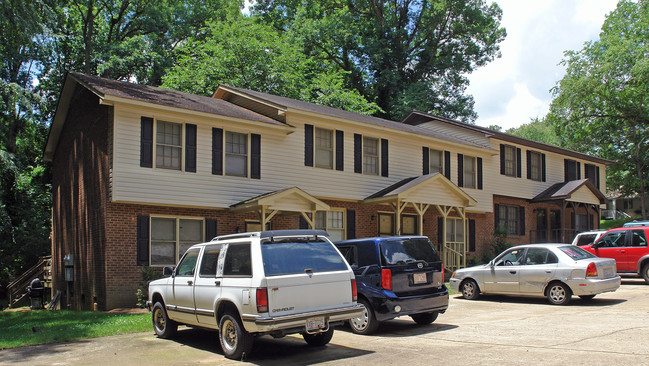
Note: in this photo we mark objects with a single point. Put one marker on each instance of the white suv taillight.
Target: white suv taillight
(591, 270)
(354, 291)
(262, 300)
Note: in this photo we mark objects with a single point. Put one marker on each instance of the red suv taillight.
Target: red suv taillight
(386, 279)
(354, 291)
(262, 300)
(591, 271)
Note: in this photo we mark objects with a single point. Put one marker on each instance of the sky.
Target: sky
(513, 89)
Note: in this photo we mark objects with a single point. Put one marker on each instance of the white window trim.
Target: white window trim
(514, 162)
(475, 171)
(183, 141)
(441, 160)
(177, 218)
(378, 155)
(540, 169)
(378, 223)
(333, 148)
(225, 153)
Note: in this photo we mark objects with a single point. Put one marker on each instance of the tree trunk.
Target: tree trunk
(643, 207)
(90, 25)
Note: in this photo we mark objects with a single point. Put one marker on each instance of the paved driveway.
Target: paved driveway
(613, 329)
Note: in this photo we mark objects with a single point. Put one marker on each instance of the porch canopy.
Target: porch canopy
(573, 194)
(291, 199)
(423, 192)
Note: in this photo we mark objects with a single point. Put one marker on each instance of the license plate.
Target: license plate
(608, 273)
(418, 278)
(315, 323)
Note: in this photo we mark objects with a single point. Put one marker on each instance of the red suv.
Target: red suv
(628, 246)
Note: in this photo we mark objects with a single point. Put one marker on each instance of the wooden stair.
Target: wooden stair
(18, 288)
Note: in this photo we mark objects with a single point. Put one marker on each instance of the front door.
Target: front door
(541, 226)
(503, 276)
(555, 226)
(183, 294)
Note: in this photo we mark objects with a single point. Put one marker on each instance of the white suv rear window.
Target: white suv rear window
(296, 256)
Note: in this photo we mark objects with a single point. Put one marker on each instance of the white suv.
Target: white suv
(251, 284)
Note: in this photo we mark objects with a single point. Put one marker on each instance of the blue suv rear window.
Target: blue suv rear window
(293, 257)
(407, 250)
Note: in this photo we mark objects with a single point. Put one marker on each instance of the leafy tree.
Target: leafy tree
(245, 54)
(601, 105)
(537, 130)
(403, 54)
(24, 194)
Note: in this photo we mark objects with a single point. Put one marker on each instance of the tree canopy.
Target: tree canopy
(601, 105)
(403, 54)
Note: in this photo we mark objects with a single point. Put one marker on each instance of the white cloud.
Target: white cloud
(515, 88)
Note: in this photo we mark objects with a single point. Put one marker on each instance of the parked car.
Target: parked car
(635, 223)
(587, 237)
(556, 271)
(628, 246)
(251, 284)
(395, 276)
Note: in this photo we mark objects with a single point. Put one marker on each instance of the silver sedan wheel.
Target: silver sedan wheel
(470, 290)
(559, 294)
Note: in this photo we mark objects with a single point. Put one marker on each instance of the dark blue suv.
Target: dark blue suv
(395, 276)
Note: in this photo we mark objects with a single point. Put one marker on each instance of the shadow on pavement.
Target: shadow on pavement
(23, 355)
(270, 351)
(576, 301)
(405, 328)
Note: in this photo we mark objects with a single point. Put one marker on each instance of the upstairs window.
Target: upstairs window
(572, 170)
(370, 155)
(436, 161)
(324, 152)
(510, 161)
(169, 145)
(236, 154)
(469, 172)
(591, 172)
(536, 166)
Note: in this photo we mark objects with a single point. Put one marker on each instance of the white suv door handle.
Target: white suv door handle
(217, 283)
(190, 282)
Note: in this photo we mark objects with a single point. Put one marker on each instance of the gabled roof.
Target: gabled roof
(416, 117)
(107, 89)
(432, 188)
(291, 199)
(283, 104)
(565, 191)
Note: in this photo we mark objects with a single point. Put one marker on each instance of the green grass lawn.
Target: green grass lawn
(17, 328)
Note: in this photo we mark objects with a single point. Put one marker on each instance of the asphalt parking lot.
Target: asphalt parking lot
(612, 329)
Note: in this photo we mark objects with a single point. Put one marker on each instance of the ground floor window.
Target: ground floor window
(171, 237)
(252, 226)
(333, 222)
(454, 231)
(386, 224)
(508, 219)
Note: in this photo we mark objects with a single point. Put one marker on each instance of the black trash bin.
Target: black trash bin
(36, 292)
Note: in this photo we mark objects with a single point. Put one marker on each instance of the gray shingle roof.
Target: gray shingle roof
(561, 191)
(166, 97)
(288, 103)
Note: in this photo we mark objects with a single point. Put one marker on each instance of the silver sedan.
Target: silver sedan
(556, 271)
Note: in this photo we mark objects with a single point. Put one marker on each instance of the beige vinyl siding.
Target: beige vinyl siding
(458, 132)
(584, 195)
(527, 188)
(282, 165)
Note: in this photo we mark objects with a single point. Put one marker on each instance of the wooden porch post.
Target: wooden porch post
(421, 210)
(563, 221)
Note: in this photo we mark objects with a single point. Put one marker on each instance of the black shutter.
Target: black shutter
(591, 220)
(425, 158)
(543, 167)
(340, 150)
(143, 240)
(303, 223)
(460, 168)
(447, 164)
(521, 217)
(384, 157)
(190, 148)
(496, 216)
(471, 235)
(502, 159)
(573, 224)
(351, 224)
(529, 164)
(440, 230)
(358, 153)
(597, 176)
(578, 170)
(146, 142)
(210, 229)
(217, 151)
(255, 156)
(518, 163)
(479, 173)
(308, 145)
